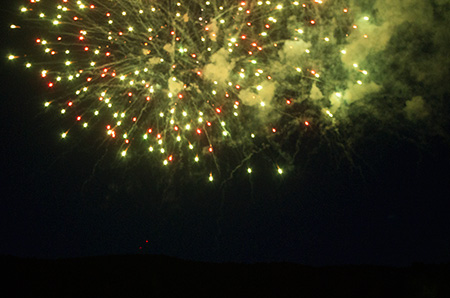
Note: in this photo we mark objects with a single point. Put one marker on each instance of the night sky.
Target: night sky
(376, 193)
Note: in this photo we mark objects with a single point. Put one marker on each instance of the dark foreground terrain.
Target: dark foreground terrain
(160, 276)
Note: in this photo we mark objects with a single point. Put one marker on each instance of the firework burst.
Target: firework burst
(204, 83)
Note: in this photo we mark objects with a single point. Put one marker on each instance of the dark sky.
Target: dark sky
(381, 199)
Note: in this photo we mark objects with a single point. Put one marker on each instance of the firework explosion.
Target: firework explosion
(206, 84)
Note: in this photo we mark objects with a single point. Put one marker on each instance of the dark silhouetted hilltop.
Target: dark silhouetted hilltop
(162, 276)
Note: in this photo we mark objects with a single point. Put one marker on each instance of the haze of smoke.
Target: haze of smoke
(406, 55)
(220, 67)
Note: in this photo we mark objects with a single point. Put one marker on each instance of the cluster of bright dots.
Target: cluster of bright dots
(140, 69)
